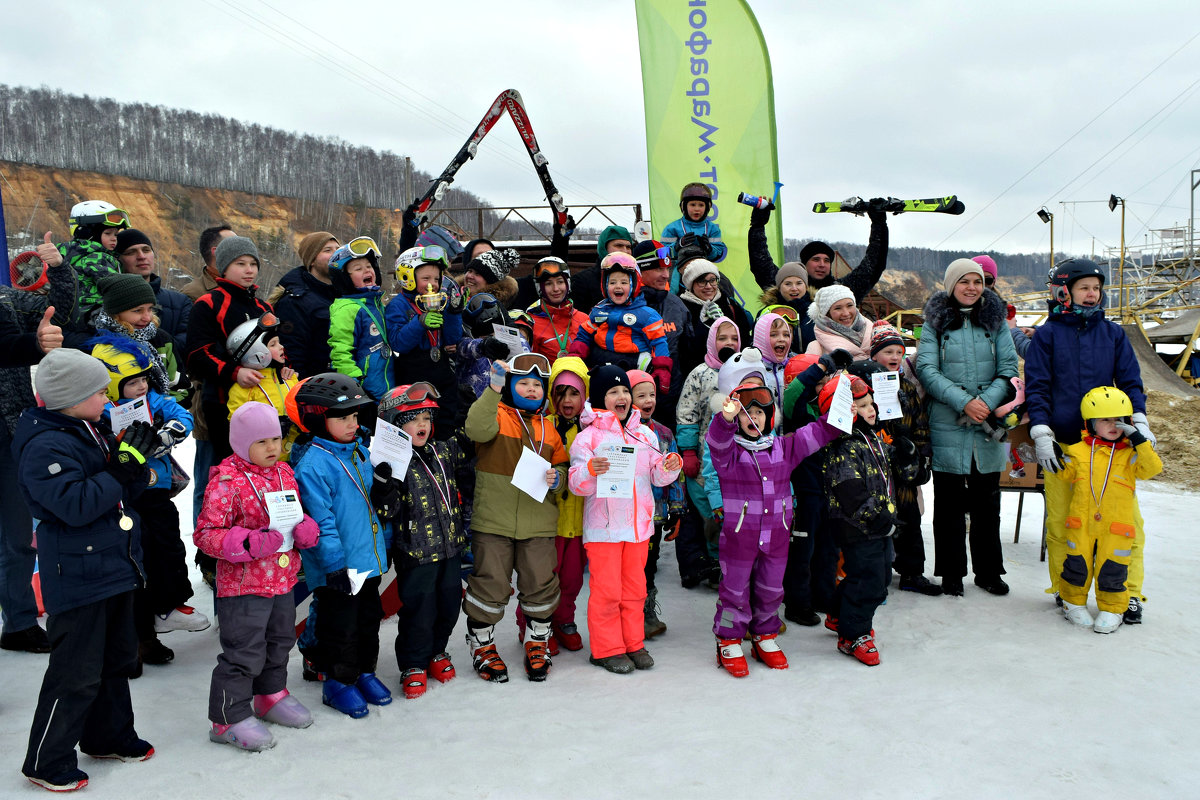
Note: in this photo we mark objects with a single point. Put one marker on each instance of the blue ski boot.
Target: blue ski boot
(344, 698)
(373, 690)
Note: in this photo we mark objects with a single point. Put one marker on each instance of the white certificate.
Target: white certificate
(530, 474)
(285, 511)
(357, 579)
(126, 414)
(841, 409)
(622, 466)
(886, 387)
(511, 337)
(392, 445)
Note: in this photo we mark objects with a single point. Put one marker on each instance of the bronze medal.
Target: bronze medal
(435, 354)
(126, 523)
(1097, 516)
(284, 560)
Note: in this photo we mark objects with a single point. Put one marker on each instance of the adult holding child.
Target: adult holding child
(965, 360)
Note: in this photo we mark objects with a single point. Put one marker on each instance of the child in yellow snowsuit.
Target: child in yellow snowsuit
(1103, 468)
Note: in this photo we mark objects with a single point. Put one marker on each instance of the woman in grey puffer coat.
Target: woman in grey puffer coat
(965, 361)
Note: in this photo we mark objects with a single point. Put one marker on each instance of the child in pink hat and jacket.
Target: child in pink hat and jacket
(617, 531)
(255, 576)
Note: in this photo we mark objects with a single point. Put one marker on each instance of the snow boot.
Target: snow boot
(373, 690)
(440, 668)
(567, 635)
(484, 658)
(863, 648)
(652, 624)
(831, 622)
(1133, 614)
(67, 781)
(182, 618)
(766, 650)
(919, 584)
(537, 651)
(30, 640)
(619, 664)
(137, 750)
(1078, 615)
(952, 587)
(413, 682)
(343, 697)
(802, 616)
(249, 734)
(1107, 622)
(995, 585)
(309, 670)
(283, 709)
(152, 651)
(641, 659)
(731, 658)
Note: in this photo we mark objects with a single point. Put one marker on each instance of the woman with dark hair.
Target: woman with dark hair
(965, 360)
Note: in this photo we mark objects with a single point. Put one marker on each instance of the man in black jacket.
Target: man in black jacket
(135, 251)
(301, 300)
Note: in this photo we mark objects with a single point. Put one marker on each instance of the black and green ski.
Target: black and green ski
(856, 205)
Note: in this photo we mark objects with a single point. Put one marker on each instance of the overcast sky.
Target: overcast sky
(913, 99)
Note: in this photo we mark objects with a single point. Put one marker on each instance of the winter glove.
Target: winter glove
(306, 533)
(710, 312)
(876, 209)
(385, 492)
(1143, 426)
(671, 527)
(841, 358)
(497, 376)
(761, 216)
(493, 349)
(234, 547)
(128, 463)
(687, 240)
(454, 296)
(431, 320)
(704, 244)
(579, 348)
(905, 459)
(691, 463)
(924, 471)
(1043, 443)
(410, 213)
(660, 370)
(262, 543)
(339, 581)
(170, 433)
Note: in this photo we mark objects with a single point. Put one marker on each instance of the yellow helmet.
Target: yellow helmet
(413, 258)
(122, 366)
(1104, 402)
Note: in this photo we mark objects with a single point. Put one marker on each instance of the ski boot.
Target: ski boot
(249, 734)
(766, 649)
(537, 651)
(731, 658)
(440, 668)
(343, 697)
(1078, 615)
(567, 635)
(863, 648)
(653, 625)
(414, 683)
(1107, 622)
(373, 690)
(283, 709)
(484, 658)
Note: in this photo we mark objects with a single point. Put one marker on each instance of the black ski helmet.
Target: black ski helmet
(329, 394)
(481, 312)
(696, 191)
(1065, 273)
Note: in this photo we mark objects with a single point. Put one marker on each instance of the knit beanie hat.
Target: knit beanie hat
(611, 234)
(884, 335)
(250, 423)
(636, 376)
(814, 248)
(312, 245)
(494, 265)
(827, 298)
(128, 237)
(696, 269)
(605, 378)
(123, 292)
(66, 377)
(957, 269)
(231, 248)
(987, 262)
(791, 269)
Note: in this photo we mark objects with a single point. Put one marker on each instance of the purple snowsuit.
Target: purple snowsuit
(753, 548)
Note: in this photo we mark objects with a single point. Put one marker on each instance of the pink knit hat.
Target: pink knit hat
(988, 264)
(636, 376)
(250, 423)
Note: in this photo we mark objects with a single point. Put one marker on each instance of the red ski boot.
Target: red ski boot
(766, 650)
(862, 648)
(731, 658)
(537, 651)
(413, 683)
(568, 636)
(484, 658)
(440, 668)
(831, 622)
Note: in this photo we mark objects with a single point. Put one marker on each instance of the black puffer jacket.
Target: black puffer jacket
(861, 280)
(304, 306)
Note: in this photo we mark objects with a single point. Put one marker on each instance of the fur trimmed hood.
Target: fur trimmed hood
(942, 312)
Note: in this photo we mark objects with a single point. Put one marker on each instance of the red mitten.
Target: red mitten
(660, 368)
(691, 463)
(578, 348)
(306, 533)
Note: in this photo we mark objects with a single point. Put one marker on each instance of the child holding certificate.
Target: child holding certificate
(615, 463)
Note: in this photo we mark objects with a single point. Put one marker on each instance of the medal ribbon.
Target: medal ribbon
(1112, 451)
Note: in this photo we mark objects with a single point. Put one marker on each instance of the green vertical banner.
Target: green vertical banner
(710, 117)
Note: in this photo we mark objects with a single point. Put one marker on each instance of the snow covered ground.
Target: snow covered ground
(979, 696)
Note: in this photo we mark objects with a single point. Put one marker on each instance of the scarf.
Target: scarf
(761, 443)
(853, 333)
(158, 369)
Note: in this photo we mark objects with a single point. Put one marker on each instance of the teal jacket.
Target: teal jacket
(962, 356)
(358, 341)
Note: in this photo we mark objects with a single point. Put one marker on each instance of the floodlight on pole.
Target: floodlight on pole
(1113, 202)
(1046, 216)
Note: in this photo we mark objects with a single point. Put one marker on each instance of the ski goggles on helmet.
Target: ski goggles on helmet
(750, 395)
(658, 259)
(360, 246)
(267, 323)
(790, 315)
(116, 218)
(417, 393)
(528, 364)
(432, 254)
(549, 267)
(477, 303)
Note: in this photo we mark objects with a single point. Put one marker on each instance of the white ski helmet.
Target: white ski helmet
(247, 344)
(97, 212)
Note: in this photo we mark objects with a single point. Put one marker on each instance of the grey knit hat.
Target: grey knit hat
(67, 377)
(791, 269)
(231, 248)
(957, 269)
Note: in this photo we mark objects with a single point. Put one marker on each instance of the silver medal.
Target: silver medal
(435, 354)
